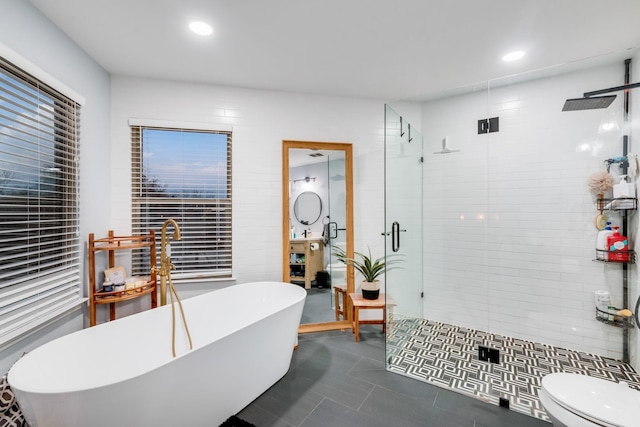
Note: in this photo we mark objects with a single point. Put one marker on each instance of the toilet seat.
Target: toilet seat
(601, 402)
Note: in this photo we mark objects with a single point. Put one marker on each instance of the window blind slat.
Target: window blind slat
(12, 301)
(32, 309)
(39, 315)
(49, 271)
(57, 276)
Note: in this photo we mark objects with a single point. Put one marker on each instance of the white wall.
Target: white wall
(509, 222)
(25, 31)
(320, 186)
(261, 120)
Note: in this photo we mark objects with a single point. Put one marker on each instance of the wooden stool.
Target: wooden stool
(359, 303)
(340, 295)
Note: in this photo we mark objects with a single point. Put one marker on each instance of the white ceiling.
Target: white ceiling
(384, 49)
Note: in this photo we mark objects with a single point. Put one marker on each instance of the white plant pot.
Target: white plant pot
(370, 290)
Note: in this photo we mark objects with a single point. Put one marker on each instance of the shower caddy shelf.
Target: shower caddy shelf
(111, 244)
(622, 205)
(601, 256)
(619, 204)
(610, 318)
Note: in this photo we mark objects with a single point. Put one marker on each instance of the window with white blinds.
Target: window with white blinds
(39, 213)
(184, 175)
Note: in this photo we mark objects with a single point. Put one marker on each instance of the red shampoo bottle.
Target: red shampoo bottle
(618, 247)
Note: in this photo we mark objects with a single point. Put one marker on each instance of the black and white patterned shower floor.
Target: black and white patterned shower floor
(447, 356)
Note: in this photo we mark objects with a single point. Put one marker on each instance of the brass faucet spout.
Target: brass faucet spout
(176, 233)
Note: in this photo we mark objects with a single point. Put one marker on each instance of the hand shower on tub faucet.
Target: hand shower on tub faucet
(165, 271)
(165, 257)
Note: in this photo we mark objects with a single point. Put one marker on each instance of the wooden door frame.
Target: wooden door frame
(347, 148)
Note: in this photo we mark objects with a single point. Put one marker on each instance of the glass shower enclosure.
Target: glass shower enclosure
(335, 222)
(497, 290)
(403, 218)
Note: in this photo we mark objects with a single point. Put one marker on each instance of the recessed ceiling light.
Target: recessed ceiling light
(513, 56)
(201, 28)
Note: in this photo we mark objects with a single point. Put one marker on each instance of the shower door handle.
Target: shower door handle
(395, 236)
(333, 230)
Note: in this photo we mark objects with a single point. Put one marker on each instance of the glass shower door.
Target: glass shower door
(403, 215)
(336, 220)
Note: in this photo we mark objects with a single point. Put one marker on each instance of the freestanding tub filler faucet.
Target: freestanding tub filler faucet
(164, 271)
(165, 257)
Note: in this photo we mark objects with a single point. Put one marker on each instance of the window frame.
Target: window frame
(40, 273)
(187, 271)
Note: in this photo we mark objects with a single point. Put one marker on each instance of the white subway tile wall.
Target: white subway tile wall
(261, 120)
(509, 221)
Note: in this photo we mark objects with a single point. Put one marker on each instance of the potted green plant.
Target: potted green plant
(369, 268)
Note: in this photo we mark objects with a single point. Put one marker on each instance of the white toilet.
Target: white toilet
(575, 400)
(337, 269)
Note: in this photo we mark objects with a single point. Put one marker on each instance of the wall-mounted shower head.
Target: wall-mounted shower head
(445, 149)
(588, 103)
(592, 102)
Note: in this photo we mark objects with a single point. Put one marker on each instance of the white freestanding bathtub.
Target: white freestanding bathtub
(123, 373)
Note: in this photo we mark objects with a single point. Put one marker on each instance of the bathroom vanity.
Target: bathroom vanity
(305, 260)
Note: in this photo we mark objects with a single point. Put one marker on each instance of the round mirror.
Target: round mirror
(307, 208)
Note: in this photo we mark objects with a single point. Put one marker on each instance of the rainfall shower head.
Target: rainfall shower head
(591, 102)
(588, 103)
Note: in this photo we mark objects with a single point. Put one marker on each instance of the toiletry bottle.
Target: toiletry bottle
(601, 242)
(624, 188)
(618, 247)
(603, 301)
(107, 286)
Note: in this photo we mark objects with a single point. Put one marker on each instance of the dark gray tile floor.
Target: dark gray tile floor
(334, 381)
(318, 306)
